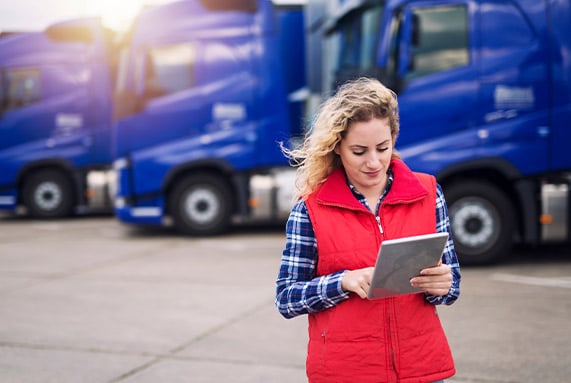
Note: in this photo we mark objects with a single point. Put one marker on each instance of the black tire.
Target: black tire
(482, 221)
(201, 205)
(48, 194)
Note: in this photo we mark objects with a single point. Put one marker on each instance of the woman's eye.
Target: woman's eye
(382, 149)
(358, 153)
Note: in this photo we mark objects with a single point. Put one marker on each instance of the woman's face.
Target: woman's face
(365, 153)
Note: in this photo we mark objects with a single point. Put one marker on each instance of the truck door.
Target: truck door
(433, 67)
(20, 88)
(42, 103)
(514, 85)
(193, 100)
(165, 110)
(20, 91)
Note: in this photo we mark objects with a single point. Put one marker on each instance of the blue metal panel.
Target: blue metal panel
(559, 48)
(514, 84)
(432, 156)
(292, 46)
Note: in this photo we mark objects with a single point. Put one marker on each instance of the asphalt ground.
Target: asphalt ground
(91, 300)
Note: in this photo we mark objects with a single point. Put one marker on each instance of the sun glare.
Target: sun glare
(117, 15)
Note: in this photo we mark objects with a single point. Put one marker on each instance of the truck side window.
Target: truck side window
(20, 88)
(170, 69)
(355, 43)
(440, 40)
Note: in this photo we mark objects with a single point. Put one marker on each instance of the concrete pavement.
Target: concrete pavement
(89, 300)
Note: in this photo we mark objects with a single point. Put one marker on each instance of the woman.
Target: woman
(354, 192)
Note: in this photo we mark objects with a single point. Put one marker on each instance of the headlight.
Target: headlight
(119, 164)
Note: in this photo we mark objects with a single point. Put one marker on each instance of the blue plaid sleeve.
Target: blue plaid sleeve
(298, 290)
(449, 256)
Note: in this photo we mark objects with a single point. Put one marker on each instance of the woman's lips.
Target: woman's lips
(373, 174)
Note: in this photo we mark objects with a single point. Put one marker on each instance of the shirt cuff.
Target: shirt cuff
(335, 292)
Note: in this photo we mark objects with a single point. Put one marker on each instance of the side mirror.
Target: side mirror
(409, 37)
(2, 95)
(69, 33)
(415, 39)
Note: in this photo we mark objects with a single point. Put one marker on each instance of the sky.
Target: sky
(34, 15)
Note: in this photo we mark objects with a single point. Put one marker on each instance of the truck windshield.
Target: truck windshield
(351, 46)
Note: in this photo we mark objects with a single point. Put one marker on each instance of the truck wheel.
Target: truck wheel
(201, 205)
(48, 194)
(482, 222)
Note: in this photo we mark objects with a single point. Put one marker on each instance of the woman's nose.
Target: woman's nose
(372, 159)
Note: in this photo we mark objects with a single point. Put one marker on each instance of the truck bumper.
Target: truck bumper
(149, 212)
(8, 200)
(138, 215)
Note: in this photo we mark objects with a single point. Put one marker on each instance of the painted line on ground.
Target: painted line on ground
(562, 282)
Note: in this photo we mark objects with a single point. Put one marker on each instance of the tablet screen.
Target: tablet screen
(401, 259)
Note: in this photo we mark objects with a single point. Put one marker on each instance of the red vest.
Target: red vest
(397, 339)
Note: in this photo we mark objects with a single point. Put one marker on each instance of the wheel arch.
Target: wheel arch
(219, 168)
(496, 171)
(499, 173)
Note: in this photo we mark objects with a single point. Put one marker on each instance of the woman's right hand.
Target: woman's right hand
(357, 281)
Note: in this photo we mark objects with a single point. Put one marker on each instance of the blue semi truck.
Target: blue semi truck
(204, 97)
(484, 91)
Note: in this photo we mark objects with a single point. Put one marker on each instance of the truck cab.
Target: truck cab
(484, 97)
(55, 119)
(204, 99)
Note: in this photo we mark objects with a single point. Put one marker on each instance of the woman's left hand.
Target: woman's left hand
(434, 280)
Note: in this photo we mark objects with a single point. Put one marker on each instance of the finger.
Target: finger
(427, 279)
(431, 283)
(361, 292)
(438, 270)
(365, 289)
(427, 287)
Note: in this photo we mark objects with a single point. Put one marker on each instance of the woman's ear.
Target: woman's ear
(336, 149)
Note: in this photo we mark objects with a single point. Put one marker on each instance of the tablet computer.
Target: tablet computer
(401, 259)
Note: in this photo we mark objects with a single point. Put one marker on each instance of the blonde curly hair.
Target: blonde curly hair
(355, 101)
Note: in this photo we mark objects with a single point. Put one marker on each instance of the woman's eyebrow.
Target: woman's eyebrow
(359, 146)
